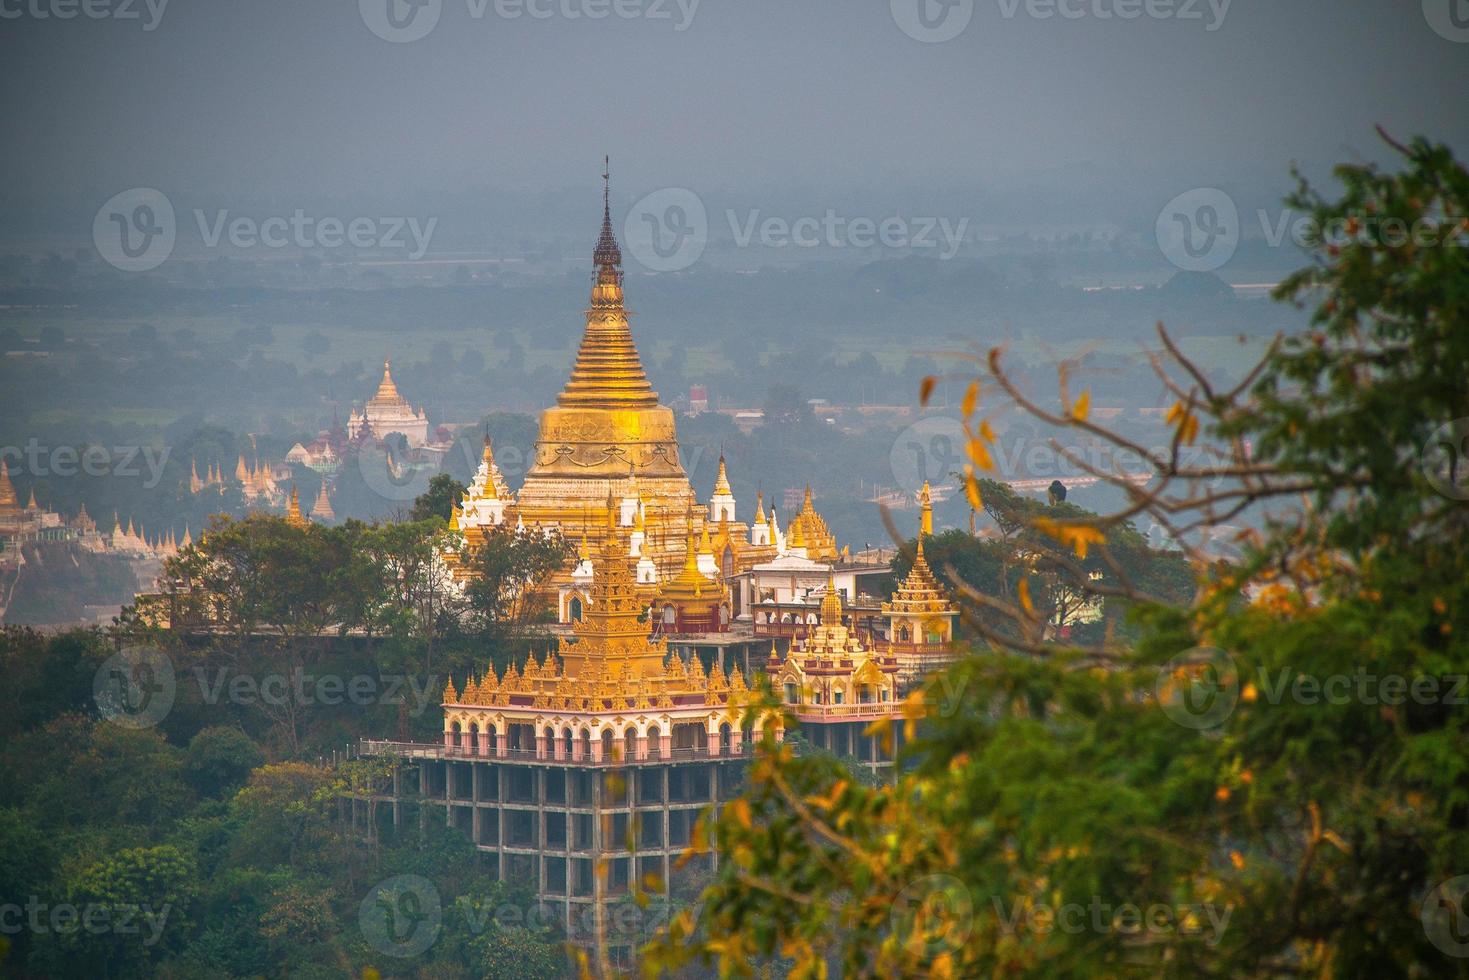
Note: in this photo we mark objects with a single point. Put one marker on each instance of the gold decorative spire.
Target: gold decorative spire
(321, 510)
(721, 483)
(241, 473)
(831, 603)
(387, 391)
(608, 372)
(31, 503)
(294, 516)
(925, 500)
(7, 489)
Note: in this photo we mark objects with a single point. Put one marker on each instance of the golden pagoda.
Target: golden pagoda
(693, 601)
(294, 517)
(8, 500)
(920, 615)
(832, 673)
(809, 528)
(607, 433)
(388, 412)
(321, 510)
(614, 694)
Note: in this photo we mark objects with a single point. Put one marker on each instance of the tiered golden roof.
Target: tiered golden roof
(612, 666)
(321, 510)
(387, 395)
(294, 517)
(607, 433)
(808, 530)
(692, 585)
(919, 591)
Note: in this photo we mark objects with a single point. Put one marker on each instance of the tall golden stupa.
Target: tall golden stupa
(608, 435)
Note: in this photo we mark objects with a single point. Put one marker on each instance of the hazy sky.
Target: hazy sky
(300, 96)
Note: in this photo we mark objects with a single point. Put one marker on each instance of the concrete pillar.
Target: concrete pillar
(714, 741)
(665, 746)
(502, 744)
(575, 749)
(642, 747)
(448, 740)
(596, 750)
(484, 743)
(736, 739)
(558, 747)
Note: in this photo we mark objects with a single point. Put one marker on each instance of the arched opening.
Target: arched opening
(566, 744)
(630, 744)
(574, 609)
(655, 742)
(584, 743)
(609, 745)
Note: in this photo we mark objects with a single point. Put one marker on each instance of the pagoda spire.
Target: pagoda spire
(7, 489)
(608, 372)
(294, 516)
(925, 499)
(831, 603)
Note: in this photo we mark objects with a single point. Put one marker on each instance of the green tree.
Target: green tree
(1058, 792)
(219, 760)
(505, 585)
(439, 500)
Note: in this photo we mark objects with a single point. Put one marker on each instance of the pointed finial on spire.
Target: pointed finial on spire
(607, 254)
(925, 525)
(831, 603)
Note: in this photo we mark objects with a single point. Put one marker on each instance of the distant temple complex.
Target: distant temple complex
(388, 412)
(670, 611)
